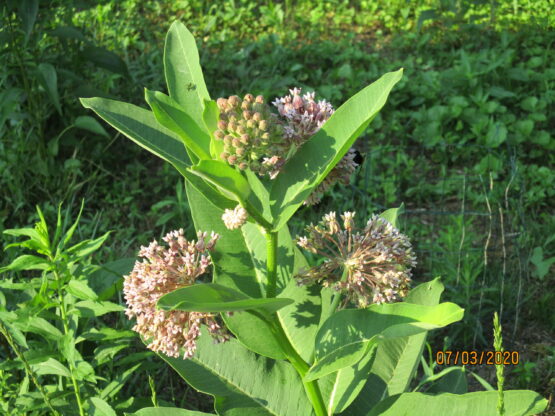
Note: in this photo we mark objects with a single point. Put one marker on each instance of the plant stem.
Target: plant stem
(66, 331)
(498, 347)
(28, 369)
(337, 296)
(311, 387)
(271, 262)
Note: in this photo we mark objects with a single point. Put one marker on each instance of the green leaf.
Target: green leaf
(69, 234)
(7, 318)
(117, 382)
(229, 370)
(49, 81)
(98, 407)
(26, 262)
(311, 164)
(449, 380)
(141, 126)
(86, 247)
(51, 366)
(392, 215)
(81, 290)
(106, 59)
(108, 278)
(90, 124)
(517, 403)
(91, 309)
(183, 72)
(227, 179)
(397, 358)
(28, 10)
(348, 334)
(40, 326)
(166, 411)
(212, 297)
(172, 116)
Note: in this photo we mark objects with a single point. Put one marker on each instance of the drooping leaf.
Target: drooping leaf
(98, 407)
(51, 366)
(26, 262)
(141, 126)
(91, 309)
(311, 164)
(183, 72)
(396, 358)
(348, 334)
(228, 180)
(48, 78)
(90, 124)
(228, 369)
(392, 215)
(212, 297)
(482, 403)
(172, 116)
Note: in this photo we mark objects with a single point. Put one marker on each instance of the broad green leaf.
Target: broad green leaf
(98, 407)
(141, 126)
(41, 243)
(316, 158)
(228, 370)
(86, 247)
(84, 371)
(234, 267)
(7, 318)
(81, 290)
(166, 411)
(348, 334)
(172, 116)
(450, 380)
(183, 72)
(26, 262)
(40, 326)
(108, 278)
(91, 309)
(396, 358)
(106, 59)
(227, 179)
(259, 198)
(90, 124)
(392, 215)
(48, 79)
(28, 10)
(482, 403)
(212, 297)
(51, 366)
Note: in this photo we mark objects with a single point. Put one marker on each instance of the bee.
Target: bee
(359, 159)
(191, 86)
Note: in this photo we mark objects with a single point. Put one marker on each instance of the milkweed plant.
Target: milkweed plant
(239, 313)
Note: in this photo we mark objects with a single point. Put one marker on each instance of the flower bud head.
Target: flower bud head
(219, 135)
(249, 98)
(234, 101)
(235, 218)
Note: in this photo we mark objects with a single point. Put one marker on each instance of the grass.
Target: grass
(465, 141)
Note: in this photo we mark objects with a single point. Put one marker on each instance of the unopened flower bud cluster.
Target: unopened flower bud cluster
(234, 218)
(163, 270)
(369, 265)
(250, 133)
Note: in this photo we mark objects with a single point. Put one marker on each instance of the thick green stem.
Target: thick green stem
(337, 296)
(271, 262)
(311, 387)
(28, 369)
(66, 331)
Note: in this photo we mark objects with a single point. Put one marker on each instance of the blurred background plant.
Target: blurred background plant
(466, 140)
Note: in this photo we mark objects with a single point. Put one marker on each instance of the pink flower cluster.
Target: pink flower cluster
(163, 270)
(304, 115)
(369, 265)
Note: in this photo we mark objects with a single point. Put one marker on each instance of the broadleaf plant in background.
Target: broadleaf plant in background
(290, 339)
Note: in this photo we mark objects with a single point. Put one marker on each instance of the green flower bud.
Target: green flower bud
(232, 159)
(257, 116)
(245, 105)
(259, 99)
(259, 107)
(247, 115)
(251, 124)
(240, 130)
(228, 139)
(233, 119)
(263, 125)
(219, 135)
(240, 151)
(236, 142)
(224, 155)
(249, 98)
(231, 126)
(245, 138)
(242, 165)
(222, 125)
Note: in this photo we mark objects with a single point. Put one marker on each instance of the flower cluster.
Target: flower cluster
(163, 270)
(370, 265)
(234, 218)
(304, 116)
(251, 134)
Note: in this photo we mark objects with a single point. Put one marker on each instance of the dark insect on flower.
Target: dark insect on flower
(358, 159)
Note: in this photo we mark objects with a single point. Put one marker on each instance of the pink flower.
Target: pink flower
(163, 270)
(370, 265)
